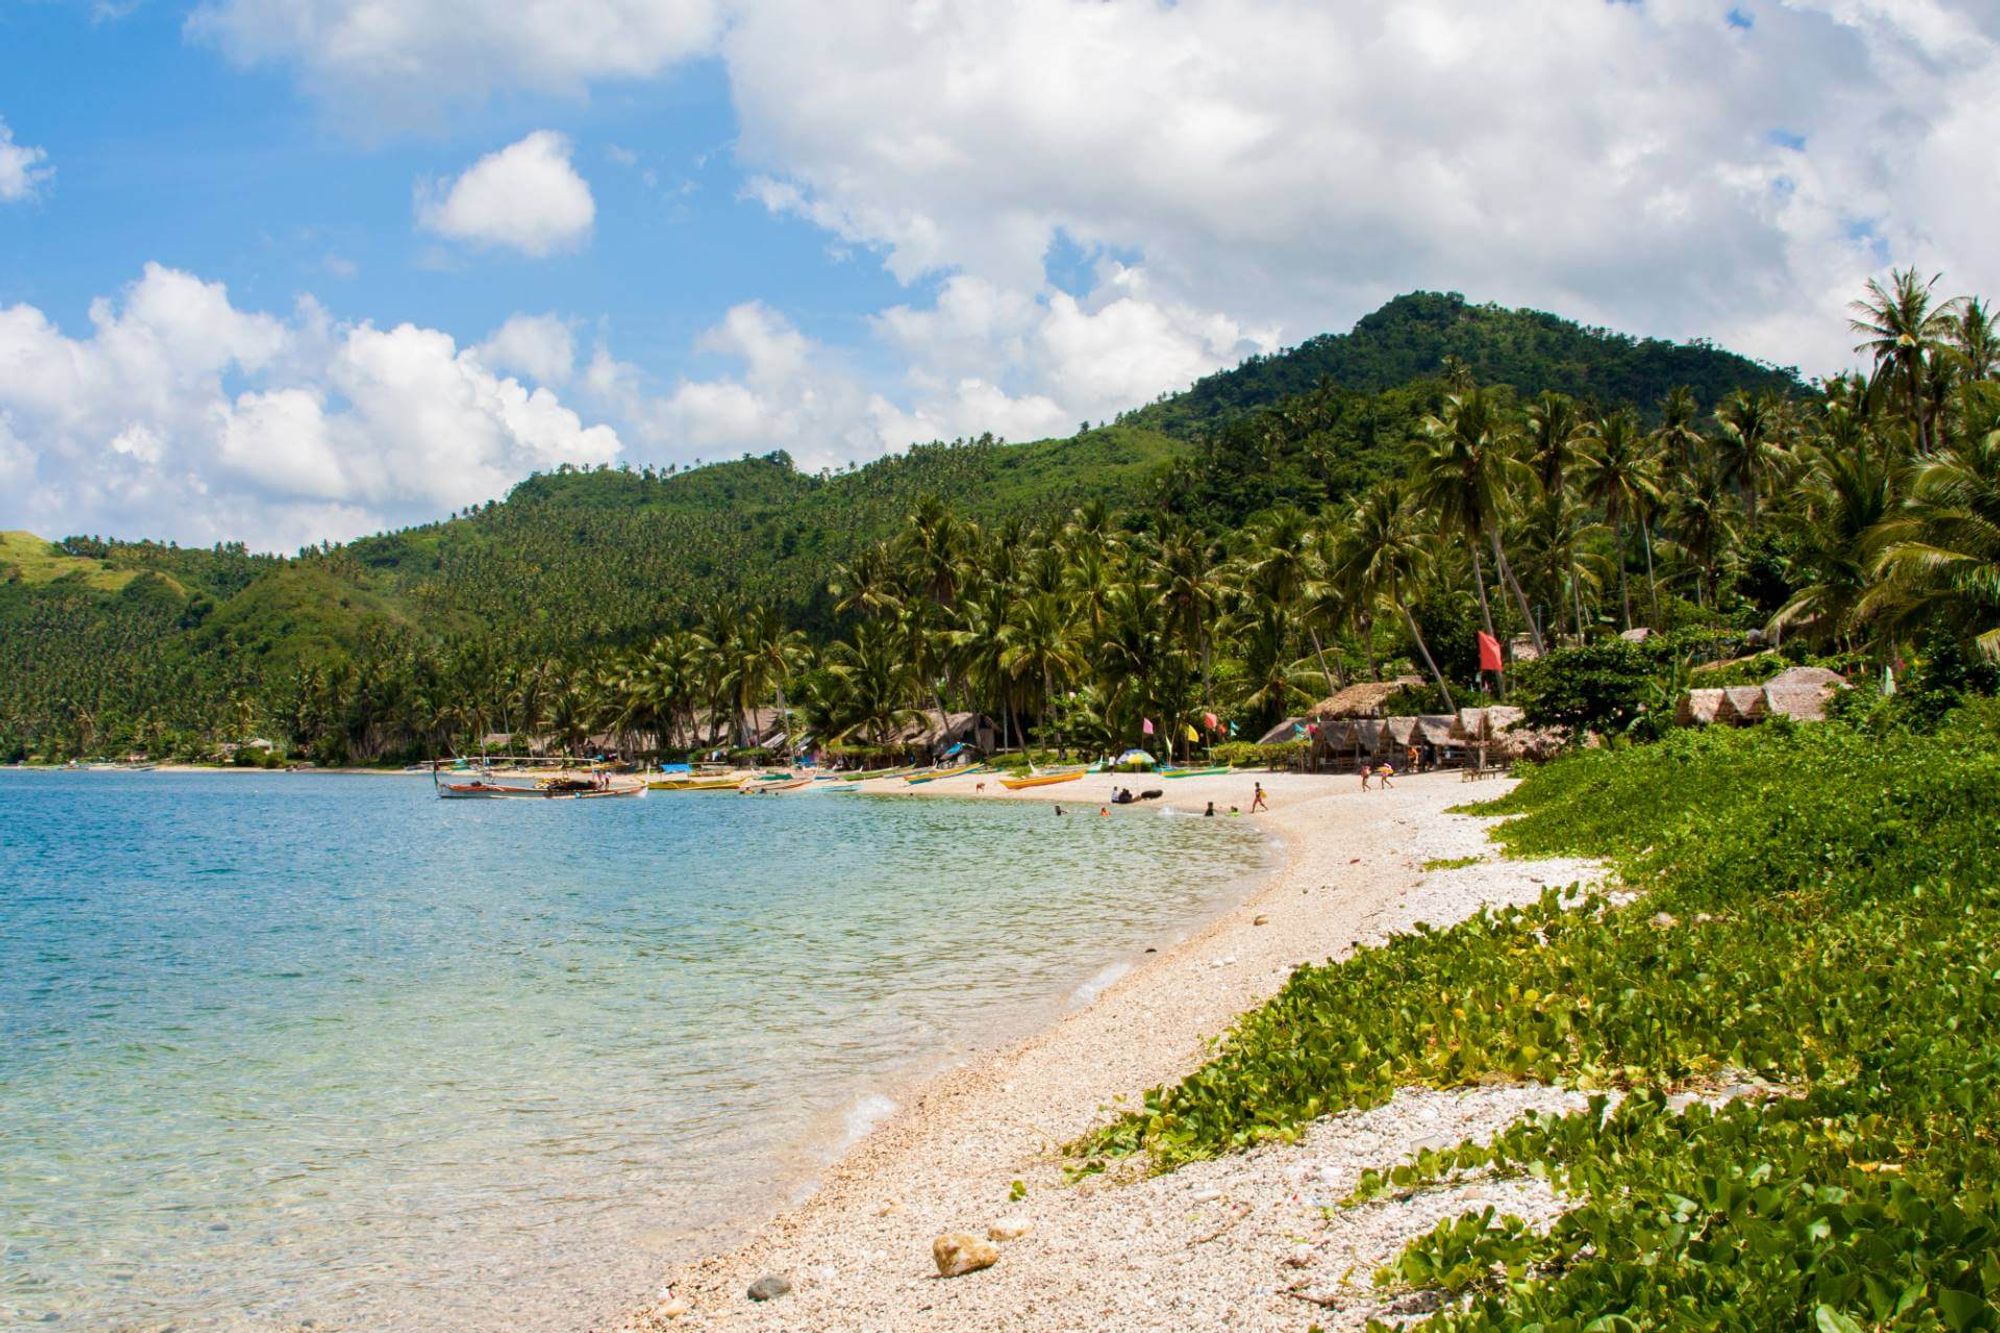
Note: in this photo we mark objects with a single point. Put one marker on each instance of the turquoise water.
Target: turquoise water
(287, 1047)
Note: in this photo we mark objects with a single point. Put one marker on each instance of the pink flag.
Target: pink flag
(1208, 720)
(1146, 725)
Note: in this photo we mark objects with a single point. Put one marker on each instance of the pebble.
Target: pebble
(1009, 1228)
(1261, 920)
(769, 1287)
(674, 1308)
(960, 1252)
(1207, 1196)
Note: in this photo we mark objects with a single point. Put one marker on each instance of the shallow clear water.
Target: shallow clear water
(288, 1047)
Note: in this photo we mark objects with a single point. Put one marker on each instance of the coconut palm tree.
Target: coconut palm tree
(1464, 477)
(1383, 555)
(1040, 639)
(1843, 499)
(1940, 553)
(1901, 328)
(1752, 444)
(1622, 477)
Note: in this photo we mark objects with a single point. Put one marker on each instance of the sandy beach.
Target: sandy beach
(1244, 1242)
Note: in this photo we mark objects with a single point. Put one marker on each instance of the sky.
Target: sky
(285, 271)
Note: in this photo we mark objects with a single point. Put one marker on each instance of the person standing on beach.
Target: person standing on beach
(1367, 771)
(1210, 812)
(1257, 798)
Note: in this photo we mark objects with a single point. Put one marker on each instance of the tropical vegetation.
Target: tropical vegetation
(1234, 554)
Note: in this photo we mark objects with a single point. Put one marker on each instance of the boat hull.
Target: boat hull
(1039, 780)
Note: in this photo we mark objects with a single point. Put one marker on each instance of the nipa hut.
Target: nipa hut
(1367, 698)
(1745, 703)
(1700, 708)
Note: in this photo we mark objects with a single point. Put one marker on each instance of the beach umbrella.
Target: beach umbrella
(1134, 757)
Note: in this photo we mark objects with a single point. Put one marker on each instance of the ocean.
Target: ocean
(278, 1048)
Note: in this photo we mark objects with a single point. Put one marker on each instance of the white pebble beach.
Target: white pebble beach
(1248, 1241)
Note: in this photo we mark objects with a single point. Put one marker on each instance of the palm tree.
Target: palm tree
(1555, 438)
(1623, 478)
(1752, 445)
(1383, 555)
(1278, 567)
(1901, 329)
(1844, 499)
(1464, 478)
(1940, 554)
(1040, 643)
(1975, 340)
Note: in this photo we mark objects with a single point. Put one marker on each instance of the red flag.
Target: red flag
(1489, 652)
(1208, 720)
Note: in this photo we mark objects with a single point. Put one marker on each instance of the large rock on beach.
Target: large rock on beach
(960, 1252)
(769, 1287)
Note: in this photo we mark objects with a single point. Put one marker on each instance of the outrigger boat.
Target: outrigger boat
(685, 783)
(559, 788)
(1040, 779)
(1195, 772)
(781, 784)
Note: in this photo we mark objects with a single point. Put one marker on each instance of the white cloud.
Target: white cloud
(525, 197)
(180, 415)
(538, 346)
(398, 62)
(23, 170)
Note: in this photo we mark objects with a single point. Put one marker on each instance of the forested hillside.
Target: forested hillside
(366, 649)
(1428, 334)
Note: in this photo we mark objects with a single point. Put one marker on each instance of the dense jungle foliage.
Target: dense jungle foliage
(1239, 561)
(1819, 916)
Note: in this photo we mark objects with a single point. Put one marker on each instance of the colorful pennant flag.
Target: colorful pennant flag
(1192, 734)
(1489, 652)
(1208, 720)
(1146, 725)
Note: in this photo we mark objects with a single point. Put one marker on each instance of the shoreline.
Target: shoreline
(1346, 870)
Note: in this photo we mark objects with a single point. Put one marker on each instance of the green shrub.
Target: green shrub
(1823, 913)
(1249, 754)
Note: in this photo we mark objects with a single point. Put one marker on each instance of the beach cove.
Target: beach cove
(1241, 1242)
(291, 1047)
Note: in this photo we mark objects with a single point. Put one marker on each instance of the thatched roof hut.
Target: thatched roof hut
(1820, 677)
(1745, 703)
(1801, 694)
(935, 733)
(1402, 730)
(1435, 729)
(1366, 698)
(1700, 708)
(1288, 730)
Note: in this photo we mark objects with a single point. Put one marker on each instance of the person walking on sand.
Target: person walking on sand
(1257, 801)
(1385, 773)
(1367, 771)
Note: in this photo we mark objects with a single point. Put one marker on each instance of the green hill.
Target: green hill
(1417, 336)
(572, 562)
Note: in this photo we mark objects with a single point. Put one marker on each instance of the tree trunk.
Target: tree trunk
(1652, 582)
(1624, 591)
(1520, 597)
(1486, 616)
(1320, 653)
(1424, 648)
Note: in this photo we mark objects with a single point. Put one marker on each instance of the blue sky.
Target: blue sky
(289, 269)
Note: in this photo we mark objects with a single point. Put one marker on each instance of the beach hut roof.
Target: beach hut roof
(1402, 730)
(1363, 698)
(1335, 733)
(1818, 677)
(1637, 634)
(1700, 708)
(1745, 702)
(1284, 731)
(1436, 728)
